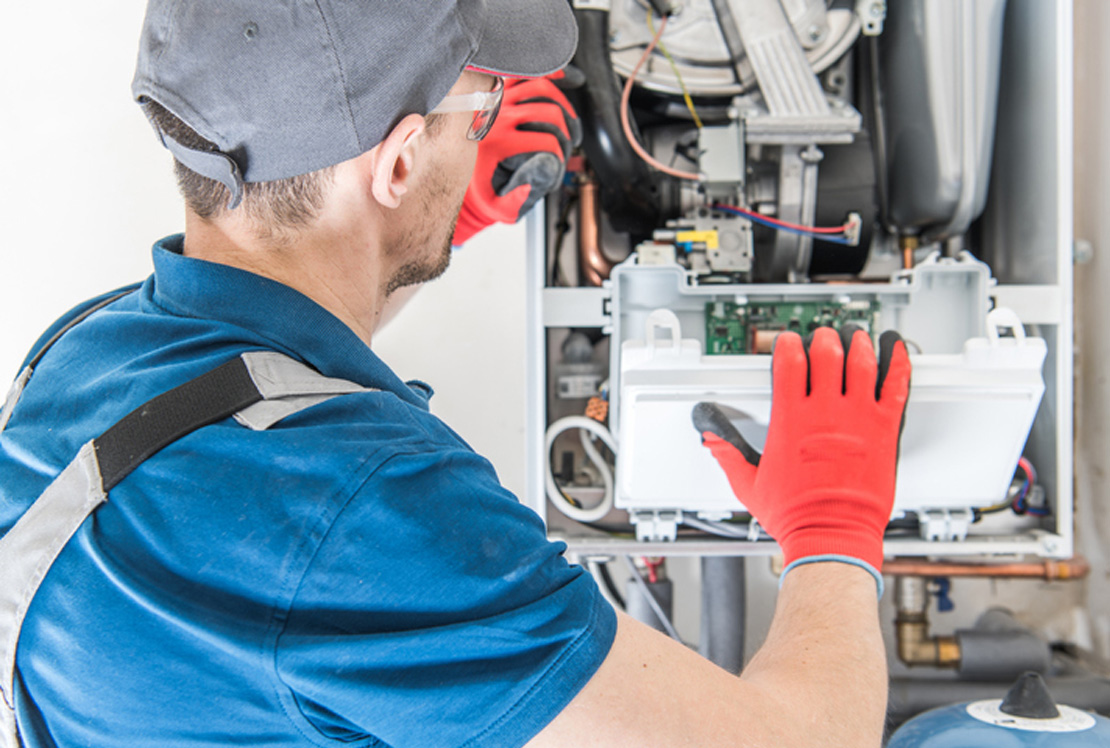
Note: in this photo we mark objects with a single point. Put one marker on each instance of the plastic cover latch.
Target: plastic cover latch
(1004, 318)
(656, 526)
(943, 525)
(659, 320)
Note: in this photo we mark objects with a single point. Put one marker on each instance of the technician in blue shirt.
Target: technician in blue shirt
(355, 574)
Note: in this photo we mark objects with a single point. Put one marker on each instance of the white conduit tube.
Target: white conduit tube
(579, 514)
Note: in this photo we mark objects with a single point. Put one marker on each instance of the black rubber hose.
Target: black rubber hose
(628, 187)
(723, 597)
(610, 585)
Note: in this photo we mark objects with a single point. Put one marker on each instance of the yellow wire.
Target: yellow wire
(674, 67)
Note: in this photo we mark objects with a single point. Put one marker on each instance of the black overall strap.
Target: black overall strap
(258, 388)
(211, 397)
(29, 549)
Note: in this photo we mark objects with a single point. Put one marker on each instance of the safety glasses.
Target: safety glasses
(484, 104)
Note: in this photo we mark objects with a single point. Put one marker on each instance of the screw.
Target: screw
(1083, 252)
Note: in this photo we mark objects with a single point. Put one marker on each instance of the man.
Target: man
(353, 573)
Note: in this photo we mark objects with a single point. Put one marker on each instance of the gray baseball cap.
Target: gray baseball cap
(286, 87)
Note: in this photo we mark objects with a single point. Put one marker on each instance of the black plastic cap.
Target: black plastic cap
(1029, 698)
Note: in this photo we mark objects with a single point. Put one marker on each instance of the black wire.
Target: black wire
(896, 528)
(551, 467)
(607, 580)
(562, 226)
(879, 126)
(911, 524)
(611, 529)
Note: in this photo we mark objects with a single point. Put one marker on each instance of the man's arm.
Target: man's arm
(823, 487)
(819, 679)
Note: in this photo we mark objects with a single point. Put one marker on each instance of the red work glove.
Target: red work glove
(824, 485)
(522, 158)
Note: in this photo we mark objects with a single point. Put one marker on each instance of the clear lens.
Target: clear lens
(483, 120)
(485, 106)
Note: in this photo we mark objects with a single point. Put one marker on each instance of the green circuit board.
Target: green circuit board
(732, 328)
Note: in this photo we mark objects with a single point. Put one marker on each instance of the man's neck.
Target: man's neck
(325, 262)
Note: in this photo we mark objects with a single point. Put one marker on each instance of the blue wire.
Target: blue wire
(1019, 500)
(1019, 504)
(787, 229)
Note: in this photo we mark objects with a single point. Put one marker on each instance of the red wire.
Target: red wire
(1027, 467)
(652, 566)
(787, 224)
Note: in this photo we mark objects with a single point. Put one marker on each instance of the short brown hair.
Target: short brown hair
(276, 207)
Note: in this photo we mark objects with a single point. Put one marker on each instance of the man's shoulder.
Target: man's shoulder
(73, 317)
(356, 420)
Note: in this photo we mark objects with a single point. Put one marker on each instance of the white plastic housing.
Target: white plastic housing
(980, 402)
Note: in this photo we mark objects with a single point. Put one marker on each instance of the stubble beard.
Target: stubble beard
(429, 267)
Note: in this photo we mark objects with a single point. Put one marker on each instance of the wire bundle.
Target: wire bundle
(1017, 499)
(1019, 504)
(834, 234)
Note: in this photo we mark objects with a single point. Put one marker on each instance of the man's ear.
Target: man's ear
(391, 161)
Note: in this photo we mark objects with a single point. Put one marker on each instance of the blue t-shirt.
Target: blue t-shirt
(355, 575)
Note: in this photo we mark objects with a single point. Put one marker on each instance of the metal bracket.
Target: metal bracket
(797, 204)
(872, 14)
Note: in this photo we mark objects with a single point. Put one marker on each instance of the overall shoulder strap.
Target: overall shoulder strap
(259, 388)
(66, 325)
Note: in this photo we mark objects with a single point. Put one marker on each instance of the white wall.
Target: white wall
(85, 189)
(464, 335)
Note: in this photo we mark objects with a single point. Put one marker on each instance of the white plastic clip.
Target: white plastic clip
(1004, 318)
(664, 319)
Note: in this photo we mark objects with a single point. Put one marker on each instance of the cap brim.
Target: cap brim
(526, 39)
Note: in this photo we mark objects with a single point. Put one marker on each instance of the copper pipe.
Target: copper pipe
(1076, 567)
(593, 264)
(909, 243)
